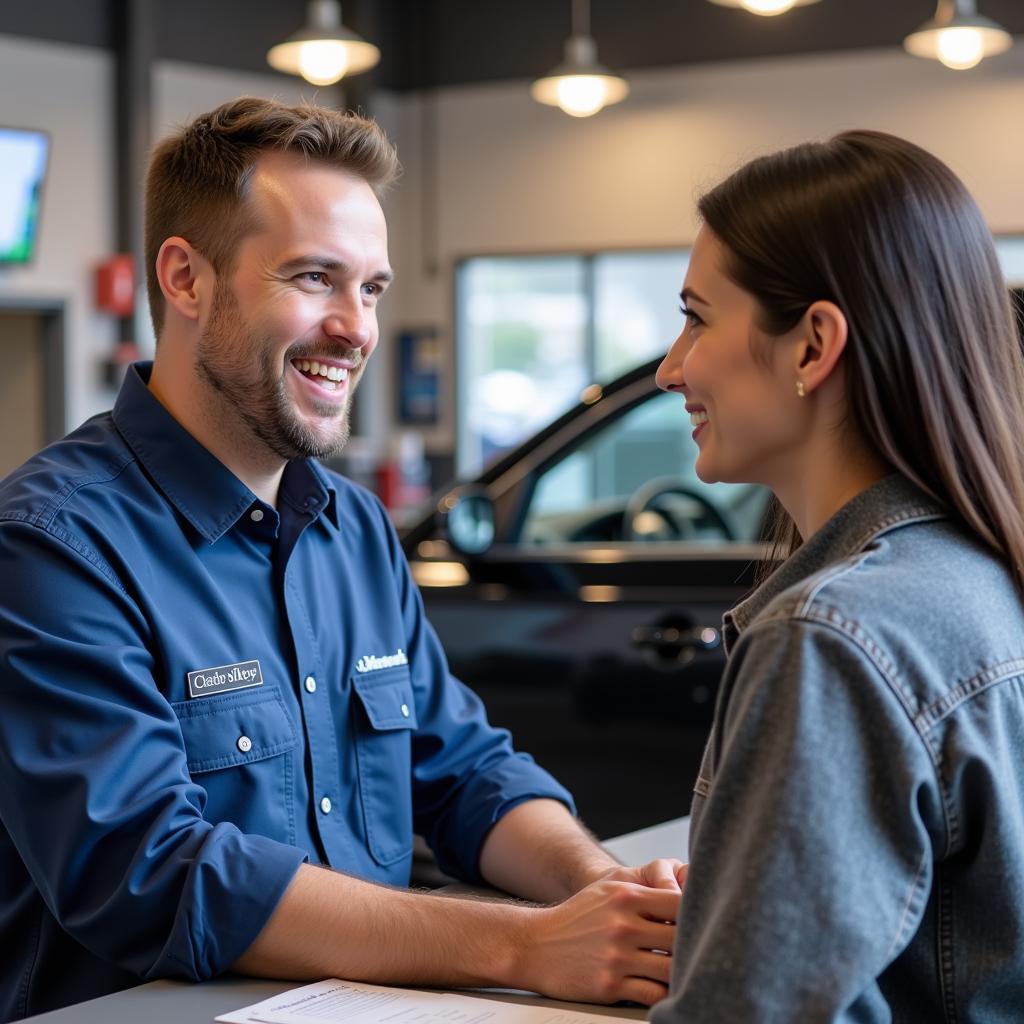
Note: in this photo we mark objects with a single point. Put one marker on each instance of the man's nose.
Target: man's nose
(350, 322)
(670, 373)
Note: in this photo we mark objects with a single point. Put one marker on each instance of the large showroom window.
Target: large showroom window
(533, 331)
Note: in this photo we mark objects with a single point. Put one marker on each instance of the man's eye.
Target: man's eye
(371, 289)
(314, 277)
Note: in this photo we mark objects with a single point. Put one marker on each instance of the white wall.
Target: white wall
(514, 176)
(67, 90)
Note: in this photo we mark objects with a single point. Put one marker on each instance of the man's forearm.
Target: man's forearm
(540, 852)
(330, 924)
(603, 944)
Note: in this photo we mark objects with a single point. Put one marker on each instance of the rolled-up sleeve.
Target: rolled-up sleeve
(96, 796)
(466, 773)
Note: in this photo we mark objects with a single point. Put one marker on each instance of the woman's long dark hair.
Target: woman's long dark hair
(934, 370)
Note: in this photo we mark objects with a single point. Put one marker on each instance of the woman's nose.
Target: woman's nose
(670, 373)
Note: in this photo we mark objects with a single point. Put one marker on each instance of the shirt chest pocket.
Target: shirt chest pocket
(237, 729)
(384, 728)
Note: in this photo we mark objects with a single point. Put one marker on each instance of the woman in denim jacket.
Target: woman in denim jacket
(857, 840)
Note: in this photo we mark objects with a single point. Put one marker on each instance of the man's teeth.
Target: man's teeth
(315, 369)
(698, 418)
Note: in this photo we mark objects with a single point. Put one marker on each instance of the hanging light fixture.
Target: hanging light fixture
(958, 36)
(580, 86)
(765, 7)
(324, 51)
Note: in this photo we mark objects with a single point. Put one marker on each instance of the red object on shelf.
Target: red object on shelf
(389, 483)
(115, 285)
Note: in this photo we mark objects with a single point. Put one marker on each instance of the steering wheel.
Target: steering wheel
(645, 499)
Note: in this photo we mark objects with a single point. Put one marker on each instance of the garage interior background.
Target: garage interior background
(487, 170)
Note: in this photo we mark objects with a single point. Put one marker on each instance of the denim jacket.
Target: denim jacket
(857, 836)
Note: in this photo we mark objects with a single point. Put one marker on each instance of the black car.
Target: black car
(578, 585)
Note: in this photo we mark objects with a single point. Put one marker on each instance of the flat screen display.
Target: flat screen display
(23, 156)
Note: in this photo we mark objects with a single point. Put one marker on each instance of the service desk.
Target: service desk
(180, 1002)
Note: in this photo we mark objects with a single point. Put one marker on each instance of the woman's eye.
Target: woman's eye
(692, 319)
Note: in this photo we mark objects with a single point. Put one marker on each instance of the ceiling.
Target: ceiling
(430, 43)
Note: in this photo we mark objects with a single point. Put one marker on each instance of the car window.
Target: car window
(634, 480)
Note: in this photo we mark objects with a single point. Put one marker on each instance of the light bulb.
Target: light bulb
(767, 7)
(323, 61)
(960, 48)
(582, 95)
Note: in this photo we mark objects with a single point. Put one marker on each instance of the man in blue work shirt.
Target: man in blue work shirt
(215, 672)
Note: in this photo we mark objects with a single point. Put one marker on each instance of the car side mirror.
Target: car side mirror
(468, 520)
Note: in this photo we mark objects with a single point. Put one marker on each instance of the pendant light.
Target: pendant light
(324, 51)
(958, 36)
(768, 8)
(580, 86)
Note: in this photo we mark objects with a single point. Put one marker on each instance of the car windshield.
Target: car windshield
(635, 480)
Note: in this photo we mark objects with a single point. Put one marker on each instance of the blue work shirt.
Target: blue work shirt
(200, 692)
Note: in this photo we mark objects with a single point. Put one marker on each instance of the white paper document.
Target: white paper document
(334, 1001)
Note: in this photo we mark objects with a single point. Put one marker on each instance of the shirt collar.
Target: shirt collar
(892, 502)
(307, 487)
(195, 481)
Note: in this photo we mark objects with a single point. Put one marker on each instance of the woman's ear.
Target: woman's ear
(185, 276)
(823, 333)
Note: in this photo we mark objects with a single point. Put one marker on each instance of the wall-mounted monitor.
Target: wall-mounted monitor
(23, 159)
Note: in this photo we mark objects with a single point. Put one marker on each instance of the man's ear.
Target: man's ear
(186, 277)
(823, 334)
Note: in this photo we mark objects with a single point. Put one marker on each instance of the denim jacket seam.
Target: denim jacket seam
(858, 549)
(856, 635)
(932, 716)
(914, 892)
(830, 618)
(831, 574)
(963, 690)
(904, 517)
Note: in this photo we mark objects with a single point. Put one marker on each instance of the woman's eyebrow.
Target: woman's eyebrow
(688, 295)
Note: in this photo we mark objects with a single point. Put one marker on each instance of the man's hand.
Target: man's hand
(610, 941)
(541, 852)
(663, 873)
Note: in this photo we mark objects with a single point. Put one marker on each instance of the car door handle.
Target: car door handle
(668, 642)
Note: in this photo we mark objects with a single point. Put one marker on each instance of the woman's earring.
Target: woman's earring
(800, 389)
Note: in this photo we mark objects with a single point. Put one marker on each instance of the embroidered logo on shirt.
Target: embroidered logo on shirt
(205, 682)
(373, 663)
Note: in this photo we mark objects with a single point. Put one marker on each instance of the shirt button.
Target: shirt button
(405, 710)
(325, 804)
(256, 515)
(310, 684)
(244, 744)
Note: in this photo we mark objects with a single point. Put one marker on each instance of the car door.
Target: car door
(590, 627)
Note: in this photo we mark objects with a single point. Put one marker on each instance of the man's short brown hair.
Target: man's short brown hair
(199, 177)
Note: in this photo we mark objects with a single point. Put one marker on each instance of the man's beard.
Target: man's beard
(238, 365)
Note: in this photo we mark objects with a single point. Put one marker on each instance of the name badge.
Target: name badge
(205, 682)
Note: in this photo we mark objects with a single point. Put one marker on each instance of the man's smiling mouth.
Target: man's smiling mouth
(327, 375)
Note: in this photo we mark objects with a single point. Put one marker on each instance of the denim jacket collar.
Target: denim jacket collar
(891, 502)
